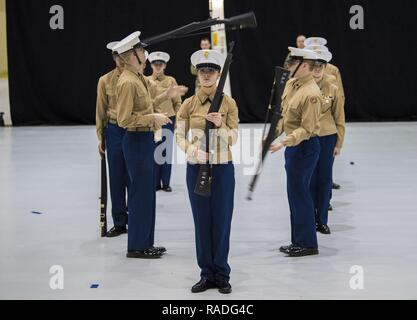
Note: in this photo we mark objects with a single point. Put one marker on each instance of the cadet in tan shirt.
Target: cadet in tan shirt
(332, 132)
(331, 69)
(110, 137)
(212, 215)
(319, 44)
(164, 144)
(135, 111)
(301, 106)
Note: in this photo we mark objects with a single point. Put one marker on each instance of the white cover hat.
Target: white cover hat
(159, 56)
(303, 53)
(315, 41)
(322, 52)
(208, 59)
(111, 45)
(128, 43)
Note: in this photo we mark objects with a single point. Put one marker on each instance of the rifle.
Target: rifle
(203, 183)
(247, 20)
(281, 77)
(103, 196)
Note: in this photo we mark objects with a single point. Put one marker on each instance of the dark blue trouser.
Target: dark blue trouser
(212, 220)
(119, 178)
(138, 148)
(321, 181)
(300, 162)
(163, 171)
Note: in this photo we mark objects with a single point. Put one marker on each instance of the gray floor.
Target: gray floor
(55, 170)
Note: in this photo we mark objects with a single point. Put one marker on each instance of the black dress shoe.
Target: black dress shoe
(335, 186)
(160, 249)
(151, 253)
(285, 249)
(323, 228)
(330, 207)
(167, 189)
(224, 286)
(202, 286)
(116, 231)
(301, 252)
(158, 188)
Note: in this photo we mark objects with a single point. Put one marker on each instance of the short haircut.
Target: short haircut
(125, 55)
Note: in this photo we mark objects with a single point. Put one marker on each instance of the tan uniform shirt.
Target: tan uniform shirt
(332, 119)
(300, 108)
(192, 117)
(135, 106)
(334, 71)
(160, 85)
(106, 100)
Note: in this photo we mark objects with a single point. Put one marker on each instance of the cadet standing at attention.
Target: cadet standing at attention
(301, 107)
(330, 69)
(205, 44)
(170, 107)
(332, 133)
(107, 128)
(135, 112)
(212, 215)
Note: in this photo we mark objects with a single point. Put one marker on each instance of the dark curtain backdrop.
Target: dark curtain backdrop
(377, 64)
(53, 73)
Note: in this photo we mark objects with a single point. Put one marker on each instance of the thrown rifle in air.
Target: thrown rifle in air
(280, 80)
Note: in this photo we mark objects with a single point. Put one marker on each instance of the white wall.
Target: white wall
(4, 100)
(4, 85)
(3, 41)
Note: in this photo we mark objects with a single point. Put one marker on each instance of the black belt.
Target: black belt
(139, 129)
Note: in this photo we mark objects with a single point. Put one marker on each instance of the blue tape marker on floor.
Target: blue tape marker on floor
(36, 212)
(94, 286)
